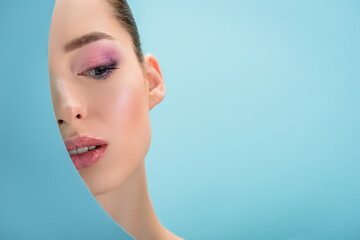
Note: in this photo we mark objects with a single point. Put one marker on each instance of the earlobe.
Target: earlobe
(156, 86)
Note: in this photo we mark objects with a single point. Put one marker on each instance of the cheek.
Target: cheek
(129, 110)
(124, 102)
(132, 134)
(126, 106)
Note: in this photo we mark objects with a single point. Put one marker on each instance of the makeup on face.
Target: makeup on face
(85, 150)
(103, 53)
(114, 104)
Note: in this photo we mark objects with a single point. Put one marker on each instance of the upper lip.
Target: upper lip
(82, 141)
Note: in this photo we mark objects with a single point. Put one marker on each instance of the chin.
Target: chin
(101, 179)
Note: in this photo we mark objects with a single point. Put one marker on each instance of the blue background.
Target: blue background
(257, 137)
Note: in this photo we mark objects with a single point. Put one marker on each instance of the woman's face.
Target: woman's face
(99, 89)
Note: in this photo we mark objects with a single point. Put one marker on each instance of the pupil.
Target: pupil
(100, 70)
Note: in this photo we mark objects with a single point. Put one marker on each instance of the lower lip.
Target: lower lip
(89, 158)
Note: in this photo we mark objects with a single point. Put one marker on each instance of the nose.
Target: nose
(70, 112)
(69, 108)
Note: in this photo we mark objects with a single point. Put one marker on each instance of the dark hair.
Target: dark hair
(124, 15)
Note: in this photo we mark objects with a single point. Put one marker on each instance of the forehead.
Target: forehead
(74, 18)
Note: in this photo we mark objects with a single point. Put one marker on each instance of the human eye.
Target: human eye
(100, 72)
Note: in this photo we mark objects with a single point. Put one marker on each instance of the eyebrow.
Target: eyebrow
(86, 39)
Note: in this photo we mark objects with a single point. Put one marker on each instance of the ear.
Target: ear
(154, 78)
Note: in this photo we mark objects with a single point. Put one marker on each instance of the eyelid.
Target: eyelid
(105, 65)
(103, 76)
(109, 69)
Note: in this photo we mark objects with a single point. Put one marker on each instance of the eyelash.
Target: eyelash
(104, 75)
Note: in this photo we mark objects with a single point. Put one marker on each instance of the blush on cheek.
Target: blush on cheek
(123, 101)
(128, 106)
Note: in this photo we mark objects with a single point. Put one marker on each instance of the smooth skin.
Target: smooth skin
(113, 106)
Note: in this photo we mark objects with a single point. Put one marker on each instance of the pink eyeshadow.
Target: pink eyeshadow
(96, 54)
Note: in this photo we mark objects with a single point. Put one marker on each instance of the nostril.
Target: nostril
(60, 121)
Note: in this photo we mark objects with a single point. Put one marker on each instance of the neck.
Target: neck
(129, 204)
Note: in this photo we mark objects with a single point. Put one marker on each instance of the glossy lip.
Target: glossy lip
(82, 141)
(89, 158)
